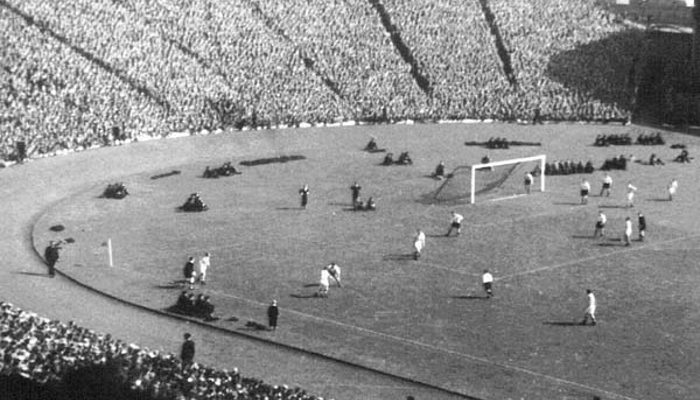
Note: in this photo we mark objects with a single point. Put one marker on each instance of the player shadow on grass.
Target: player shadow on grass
(398, 257)
(611, 242)
(289, 208)
(470, 297)
(567, 203)
(304, 296)
(562, 323)
(176, 284)
(659, 199)
(339, 204)
(613, 206)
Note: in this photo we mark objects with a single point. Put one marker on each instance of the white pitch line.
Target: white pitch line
(596, 257)
(440, 349)
(514, 196)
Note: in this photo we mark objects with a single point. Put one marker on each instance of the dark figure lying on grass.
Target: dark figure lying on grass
(194, 204)
(225, 170)
(199, 306)
(684, 157)
(359, 205)
(115, 191)
(654, 160)
(372, 147)
(439, 173)
(404, 159)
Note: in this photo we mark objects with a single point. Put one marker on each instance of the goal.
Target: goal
(492, 180)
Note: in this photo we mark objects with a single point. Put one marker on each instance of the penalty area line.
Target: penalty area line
(595, 257)
(470, 357)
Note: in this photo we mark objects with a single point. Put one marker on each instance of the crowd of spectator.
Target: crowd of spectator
(46, 351)
(79, 74)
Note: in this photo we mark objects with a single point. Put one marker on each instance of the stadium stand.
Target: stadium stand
(73, 73)
(49, 352)
(80, 74)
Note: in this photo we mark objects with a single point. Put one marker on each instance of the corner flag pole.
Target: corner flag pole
(109, 251)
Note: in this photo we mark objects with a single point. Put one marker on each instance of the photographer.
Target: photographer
(51, 255)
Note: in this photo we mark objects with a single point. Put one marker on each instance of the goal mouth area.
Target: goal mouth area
(489, 181)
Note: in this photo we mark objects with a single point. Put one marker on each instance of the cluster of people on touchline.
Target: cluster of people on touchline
(356, 200)
(46, 351)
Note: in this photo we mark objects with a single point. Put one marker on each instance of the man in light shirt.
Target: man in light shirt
(631, 189)
(204, 263)
(585, 190)
(418, 244)
(324, 283)
(628, 231)
(590, 311)
(334, 272)
(672, 188)
(487, 281)
(455, 223)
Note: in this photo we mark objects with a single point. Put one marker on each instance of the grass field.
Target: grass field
(427, 319)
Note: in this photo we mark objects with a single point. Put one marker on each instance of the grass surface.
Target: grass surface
(425, 320)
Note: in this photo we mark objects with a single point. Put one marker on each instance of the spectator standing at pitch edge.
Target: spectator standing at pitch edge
(304, 193)
(355, 189)
(272, 313)
(51, 256)
(187, 350)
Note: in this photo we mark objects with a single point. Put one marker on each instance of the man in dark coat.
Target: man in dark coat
(355, 189)
(304, 193)
(187, 351)
(51, 256)
(188, 272)
(272, 313)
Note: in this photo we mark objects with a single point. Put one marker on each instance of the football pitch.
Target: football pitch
(426, 320)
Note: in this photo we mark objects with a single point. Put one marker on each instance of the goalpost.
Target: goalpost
(542, 159)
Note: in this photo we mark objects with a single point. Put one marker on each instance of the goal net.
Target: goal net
(491, 181)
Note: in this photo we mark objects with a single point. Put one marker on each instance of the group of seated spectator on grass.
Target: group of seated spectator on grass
(567, 167)
(403, 159)
(196, 306)
(47, 351)
(225, 170)
(652, 139)
(617, 162)
(614, 139)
